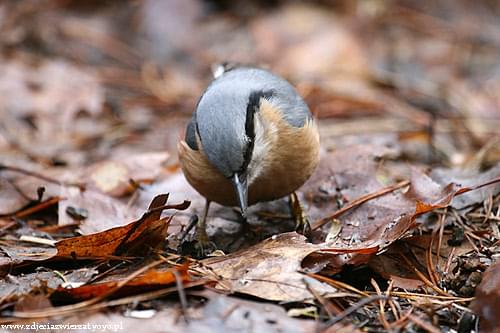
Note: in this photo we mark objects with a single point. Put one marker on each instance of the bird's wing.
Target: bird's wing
(191, 134)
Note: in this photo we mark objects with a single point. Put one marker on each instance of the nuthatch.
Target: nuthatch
(252, 138)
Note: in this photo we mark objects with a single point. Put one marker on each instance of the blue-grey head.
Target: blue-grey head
(225, 120)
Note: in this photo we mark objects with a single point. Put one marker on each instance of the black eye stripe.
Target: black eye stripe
(252, 107)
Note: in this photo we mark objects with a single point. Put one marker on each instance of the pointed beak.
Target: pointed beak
(241, 189)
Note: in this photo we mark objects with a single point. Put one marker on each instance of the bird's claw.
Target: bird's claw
(302, 225)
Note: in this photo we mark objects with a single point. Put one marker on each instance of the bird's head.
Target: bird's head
(226, 126)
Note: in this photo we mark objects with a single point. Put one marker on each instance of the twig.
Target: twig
(229, 311)
(401, 321)
(390, 301)
(353, 308)
(409, 295)
(449, 261)
(82, 305)
(37, 240)
(182, 296)
(338, 284)
(425, 325)
(425, 279)
(384, 321)
(428, 255)
(126, 300)
(440, 238)
(329, 307)
(360, 201)
(39, 207)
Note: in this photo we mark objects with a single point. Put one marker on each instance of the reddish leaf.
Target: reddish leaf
(134, 238)
(150, 280)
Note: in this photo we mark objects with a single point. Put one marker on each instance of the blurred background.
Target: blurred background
(99, 92)
(80, 80)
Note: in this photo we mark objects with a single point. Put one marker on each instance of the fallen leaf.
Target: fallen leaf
(381, 221)
(487, 300)
(19, 253)
(467, 178)
(268, 270)
(218, 313)
(133, 239)
(11, 199)
(51, 94)
(150, 280)
(33, 303)
(14, 287)
(114, 176)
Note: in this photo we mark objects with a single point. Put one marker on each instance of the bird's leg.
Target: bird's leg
(201, 232)
(302, 225)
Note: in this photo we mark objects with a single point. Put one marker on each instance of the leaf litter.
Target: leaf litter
(405, 232)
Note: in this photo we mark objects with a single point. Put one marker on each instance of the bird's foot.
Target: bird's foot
(203, 245)
(200, 246)
(302, 224)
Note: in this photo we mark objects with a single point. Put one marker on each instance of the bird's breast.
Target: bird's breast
(285, 156)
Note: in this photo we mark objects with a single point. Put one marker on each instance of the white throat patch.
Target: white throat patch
(265, 136)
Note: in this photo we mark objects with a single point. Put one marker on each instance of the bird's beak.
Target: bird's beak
(241, 188)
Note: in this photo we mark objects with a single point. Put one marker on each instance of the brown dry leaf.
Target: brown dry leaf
(487, 300)
(379, 222)
(467, 178)
(134, 238)
(14, 287)
(107, 180)
(150, 280)
(390, 231)
(20, 253)
(103, 212)
(114, 177)
(19, 191)
(219, 313)
(345, 174)
(268, 270)
(33, 303)
(52, 88)
(11, 199)
(49, 94)
(392, 265)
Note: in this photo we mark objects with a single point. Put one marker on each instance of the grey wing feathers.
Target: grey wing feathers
(191, 134)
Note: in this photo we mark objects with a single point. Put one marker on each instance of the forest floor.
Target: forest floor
(404, 206)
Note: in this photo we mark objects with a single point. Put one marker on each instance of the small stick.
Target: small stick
(382, 303)
(39, 207)
(353, 308)
(329, 307)
(423, 324)
(37, 240)
(360, 201)
(182, 296)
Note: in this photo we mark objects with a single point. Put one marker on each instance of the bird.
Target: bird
(251, 138)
